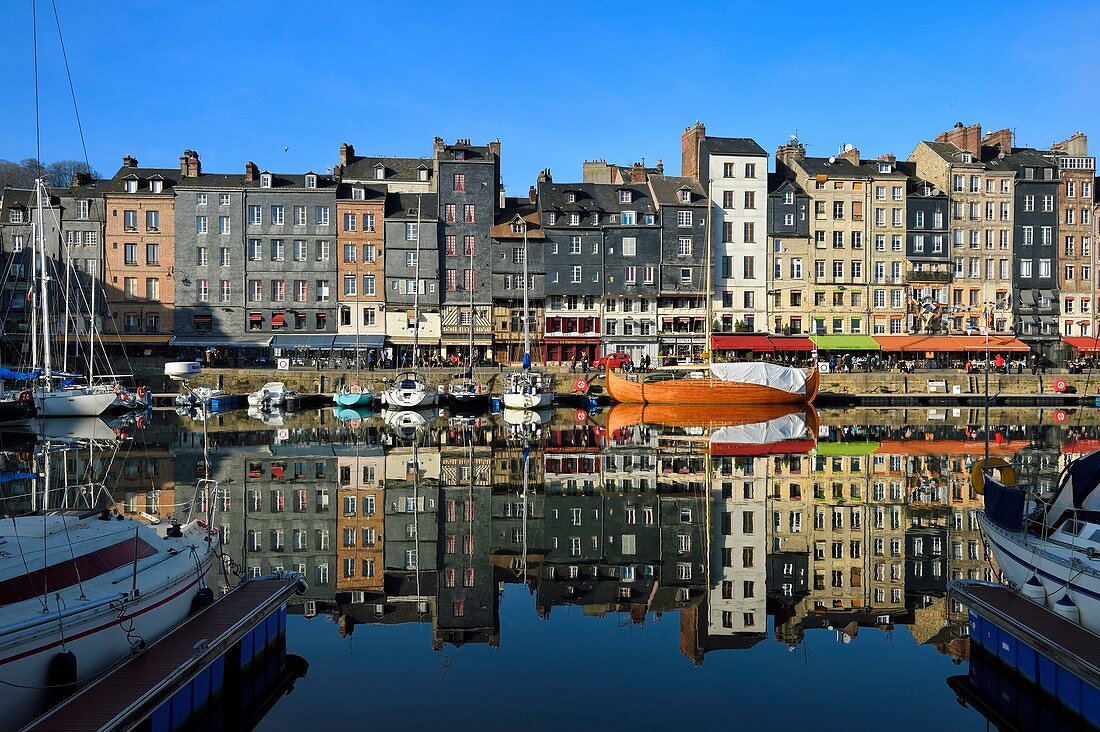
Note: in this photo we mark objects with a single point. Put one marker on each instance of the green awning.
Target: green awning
(847, 448)
(845, 343)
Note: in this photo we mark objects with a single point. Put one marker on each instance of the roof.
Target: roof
(778, 183)
(22, 198)
(839, 167)
(917, 186)
(667, 189)
(590, 197)
(732, 146)
(170, 176)
(371, 192)
(289, 180)
(950, 152)
(212, 180)
(398, 169)
(402, 206)
(1021, 158)
(513, 207)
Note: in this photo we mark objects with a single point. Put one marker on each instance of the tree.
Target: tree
(58, 174)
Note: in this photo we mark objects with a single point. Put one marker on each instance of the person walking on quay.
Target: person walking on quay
(370, 360)
(584, 363)
(573, 363)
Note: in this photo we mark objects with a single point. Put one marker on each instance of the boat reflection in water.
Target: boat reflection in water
(735, 524)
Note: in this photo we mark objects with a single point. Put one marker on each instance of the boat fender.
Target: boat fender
(26, 397)
(61, 675)
(480, 389)
(1007, 473)
(1067, 608)
(203, 598)
(141, 392)
(1033, 590)
(356, 389)
(581, 385)
(118, 387)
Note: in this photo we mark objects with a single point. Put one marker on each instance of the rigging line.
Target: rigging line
(72, 89)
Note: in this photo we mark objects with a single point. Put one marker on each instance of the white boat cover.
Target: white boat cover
(785, 378)
(788, 427)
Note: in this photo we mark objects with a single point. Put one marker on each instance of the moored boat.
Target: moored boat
(353, 396)
(409, 391)
(728, 383)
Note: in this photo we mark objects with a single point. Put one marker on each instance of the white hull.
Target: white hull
(1020, 556)
(527, 417)
(514, 400)
(410, 398)
(73, 403)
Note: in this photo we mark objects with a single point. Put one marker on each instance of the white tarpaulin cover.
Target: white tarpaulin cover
(788, 427)
(792, 381)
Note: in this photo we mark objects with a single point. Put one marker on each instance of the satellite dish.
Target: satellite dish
(935, 191)
(832, 158)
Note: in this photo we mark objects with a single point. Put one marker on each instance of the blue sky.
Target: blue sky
(557, 83)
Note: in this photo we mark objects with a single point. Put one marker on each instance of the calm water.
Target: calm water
(628, 570)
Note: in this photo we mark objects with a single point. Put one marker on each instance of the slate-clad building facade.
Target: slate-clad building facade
(928, 251)
(632, 239)
(518, 217)
(412, 232)
(680, 307)
(790, 252)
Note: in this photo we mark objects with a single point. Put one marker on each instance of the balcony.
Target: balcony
(927, 276)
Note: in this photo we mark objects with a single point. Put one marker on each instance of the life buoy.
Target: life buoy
(26, 397)
(1060, 416)
(1007, 473)
(1060, 385)
(581, 385)
(581, 416)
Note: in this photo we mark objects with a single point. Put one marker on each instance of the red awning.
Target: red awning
(792, 343)
(949, 344)
(255, 317)
(278, 320)
(758, 343)
(1083, 344)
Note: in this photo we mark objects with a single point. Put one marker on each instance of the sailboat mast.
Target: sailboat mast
(470, 364)
(416, 290)
(43, 282)
(707, 286)
(92, 326)
(68, 296)
(526, 314)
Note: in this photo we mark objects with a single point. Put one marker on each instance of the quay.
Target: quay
(179, 675)
(1056, 655)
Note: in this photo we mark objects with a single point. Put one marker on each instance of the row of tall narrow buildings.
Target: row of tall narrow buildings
(970, 232)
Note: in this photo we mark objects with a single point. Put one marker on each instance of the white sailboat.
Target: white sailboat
(526, 389)
(408, 390)
(464, 389)
(81, 589)
(58, 394)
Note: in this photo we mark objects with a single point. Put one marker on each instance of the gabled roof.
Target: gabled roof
(169, 176)
(780, 184)
(732, 146)
(517, 209)
(371, 192)
(951, 153)
(667, 188)
(838, 167)
(397, 169)
(289, 180)
(402, 206)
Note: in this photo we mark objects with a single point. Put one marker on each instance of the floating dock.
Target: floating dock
(179, 675)
(1057, 656)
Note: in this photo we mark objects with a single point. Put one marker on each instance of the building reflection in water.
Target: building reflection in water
(727, 518)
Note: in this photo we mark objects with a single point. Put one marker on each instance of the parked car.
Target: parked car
(615, 360)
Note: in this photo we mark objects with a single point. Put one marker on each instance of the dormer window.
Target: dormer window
(379, 172)
(967, 157)
(358, 194)
(626, 196)
(156, 186)
(595, 218)
(131, 186)
(15, 216)
(265, 180)
(517, 226)
(460, 154)
(311, 181)
(571, 197)
(884, 167)
(685, 196)
(551, 218)
(422, 174)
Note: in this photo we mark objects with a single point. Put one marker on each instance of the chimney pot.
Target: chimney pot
(129, 161)
(347, 152)
(533, 195)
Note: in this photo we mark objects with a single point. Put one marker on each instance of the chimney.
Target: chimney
(190, 167)
(494, 147)
(533, 195)
(963, 137)
(129, 161)
(1001, 140)
(637, 173)
(689, 149)
(347, 152)
(660, 167)
(790, 151)
(437, 147)
(1076, 146)
(338, 173)
(887, 158)
(80, 179)
(545, 177)
(251, 172)
(850, 153)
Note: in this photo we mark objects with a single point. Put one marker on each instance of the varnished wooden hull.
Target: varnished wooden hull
(704, 391)
(703, 415)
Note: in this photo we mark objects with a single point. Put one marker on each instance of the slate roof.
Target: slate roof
(667, 190)
(371, 192)
(213, 180)
(839, 168)
(778, 183)
(1021, 158)
(951, 153)
(401, 169)
(732, 146)
(601, 197)
(289, 180)
(502, 226)
(402, 206)
(170, 176)
(23, 198)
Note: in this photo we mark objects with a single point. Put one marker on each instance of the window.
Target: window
(255, 215)
(278, 250)
(227, 290)
(575, 276)
(349, 221)
(631, 277)
(411, 259)
(130, 288)
(469, 245)
(629, 218)
(152, 254)
(152, 220)
(750, 170)
(685, 276)
(301, 291)
(320, 215)
(625, 196)
(458, 182)
(750, 232)
(412, 232)
(469, 213)
(683, 218)
(684, 246)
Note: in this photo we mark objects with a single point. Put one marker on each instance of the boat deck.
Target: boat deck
(127, 695)
(1069, 644)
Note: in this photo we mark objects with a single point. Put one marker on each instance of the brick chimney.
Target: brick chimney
(190, 167)
(129, 161)
(790, 151)
(689, 149)
(533, 195)
(437, 147)
(80, 179)
(963, 137)
(251, 172)
(887, 158)
(849, 153)
(545, 177)
(1001, 140)
(637, 173)
(494, 147)
(660, 167)
(1076, 146)
(347, 152)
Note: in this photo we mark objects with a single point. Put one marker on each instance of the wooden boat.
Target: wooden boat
(706, 390)
(708, 416)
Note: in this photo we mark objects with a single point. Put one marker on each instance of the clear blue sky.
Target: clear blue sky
(556, 82)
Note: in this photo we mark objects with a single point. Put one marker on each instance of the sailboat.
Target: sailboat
(355, 395)
(526, 389)
(58, 394)
(464, 389)
(81, 587)
(408, 390)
